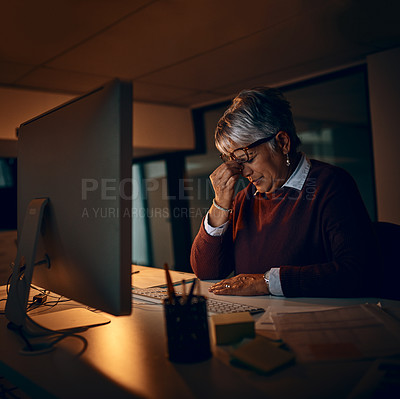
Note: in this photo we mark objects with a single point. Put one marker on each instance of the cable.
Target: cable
(34, 349)
(8, 284)
(41, 300)
(18, 329)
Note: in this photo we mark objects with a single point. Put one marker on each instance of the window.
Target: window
(8, 193)
(332, 119)
(151, 235)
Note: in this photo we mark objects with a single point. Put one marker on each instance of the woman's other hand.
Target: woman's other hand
(242, 284)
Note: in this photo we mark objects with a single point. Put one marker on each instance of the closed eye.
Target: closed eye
(251, 159)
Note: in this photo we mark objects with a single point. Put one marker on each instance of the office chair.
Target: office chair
(388, 235)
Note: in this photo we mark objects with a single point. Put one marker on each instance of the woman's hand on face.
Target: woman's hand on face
(223, 180)
(242, 284)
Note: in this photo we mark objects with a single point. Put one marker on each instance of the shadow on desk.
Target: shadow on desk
(60, 375)
(227, 381)
(8, 252)
(388, 235)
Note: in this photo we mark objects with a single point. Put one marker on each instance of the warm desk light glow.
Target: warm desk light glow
(127, 335)
(17, 106)
(157, 128)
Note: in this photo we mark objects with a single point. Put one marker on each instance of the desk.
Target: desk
(127, 359)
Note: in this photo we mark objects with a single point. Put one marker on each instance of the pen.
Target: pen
(189, 299)
(170, 287)
(184, 297)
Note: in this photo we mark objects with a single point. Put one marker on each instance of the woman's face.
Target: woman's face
(266, 168)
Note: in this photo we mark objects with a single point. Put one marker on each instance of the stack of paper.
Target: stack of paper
(353, 332)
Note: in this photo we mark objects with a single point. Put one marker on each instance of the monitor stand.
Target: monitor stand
(17, 300)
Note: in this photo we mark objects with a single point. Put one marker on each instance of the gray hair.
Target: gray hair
(255, 114)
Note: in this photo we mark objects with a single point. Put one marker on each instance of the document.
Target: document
(354, 332)
(265, 324)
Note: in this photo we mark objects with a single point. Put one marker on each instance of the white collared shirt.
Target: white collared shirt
(296, 181)
(299, 176)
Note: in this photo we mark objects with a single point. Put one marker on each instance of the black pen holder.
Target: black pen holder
(188, 339)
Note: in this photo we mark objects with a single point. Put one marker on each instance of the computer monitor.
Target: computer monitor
(74, 203)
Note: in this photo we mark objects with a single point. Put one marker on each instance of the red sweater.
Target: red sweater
(321, 238)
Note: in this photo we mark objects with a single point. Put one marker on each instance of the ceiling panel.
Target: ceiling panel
(186, 52)
(200, 98)
(307, 38)
(58, 80)
(168, 32)
(10, 71)
(160, 93)
(34, 32)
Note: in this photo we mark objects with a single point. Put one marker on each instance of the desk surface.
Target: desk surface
(127, 358)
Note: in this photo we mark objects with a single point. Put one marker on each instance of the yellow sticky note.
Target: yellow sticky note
(229, 328)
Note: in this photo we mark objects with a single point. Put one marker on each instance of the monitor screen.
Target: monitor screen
(78, 158)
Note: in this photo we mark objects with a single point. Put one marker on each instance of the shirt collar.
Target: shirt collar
(298, 177)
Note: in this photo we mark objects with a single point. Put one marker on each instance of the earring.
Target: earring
(287, 160)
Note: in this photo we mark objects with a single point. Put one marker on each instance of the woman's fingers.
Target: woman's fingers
(223, 180)
(243, 284)
(225, 171)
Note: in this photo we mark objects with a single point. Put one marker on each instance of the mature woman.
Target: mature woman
(299, 228)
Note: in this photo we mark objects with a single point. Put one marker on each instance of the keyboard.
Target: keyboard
(157, 295)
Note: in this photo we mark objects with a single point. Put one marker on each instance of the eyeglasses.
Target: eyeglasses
(240, 155)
